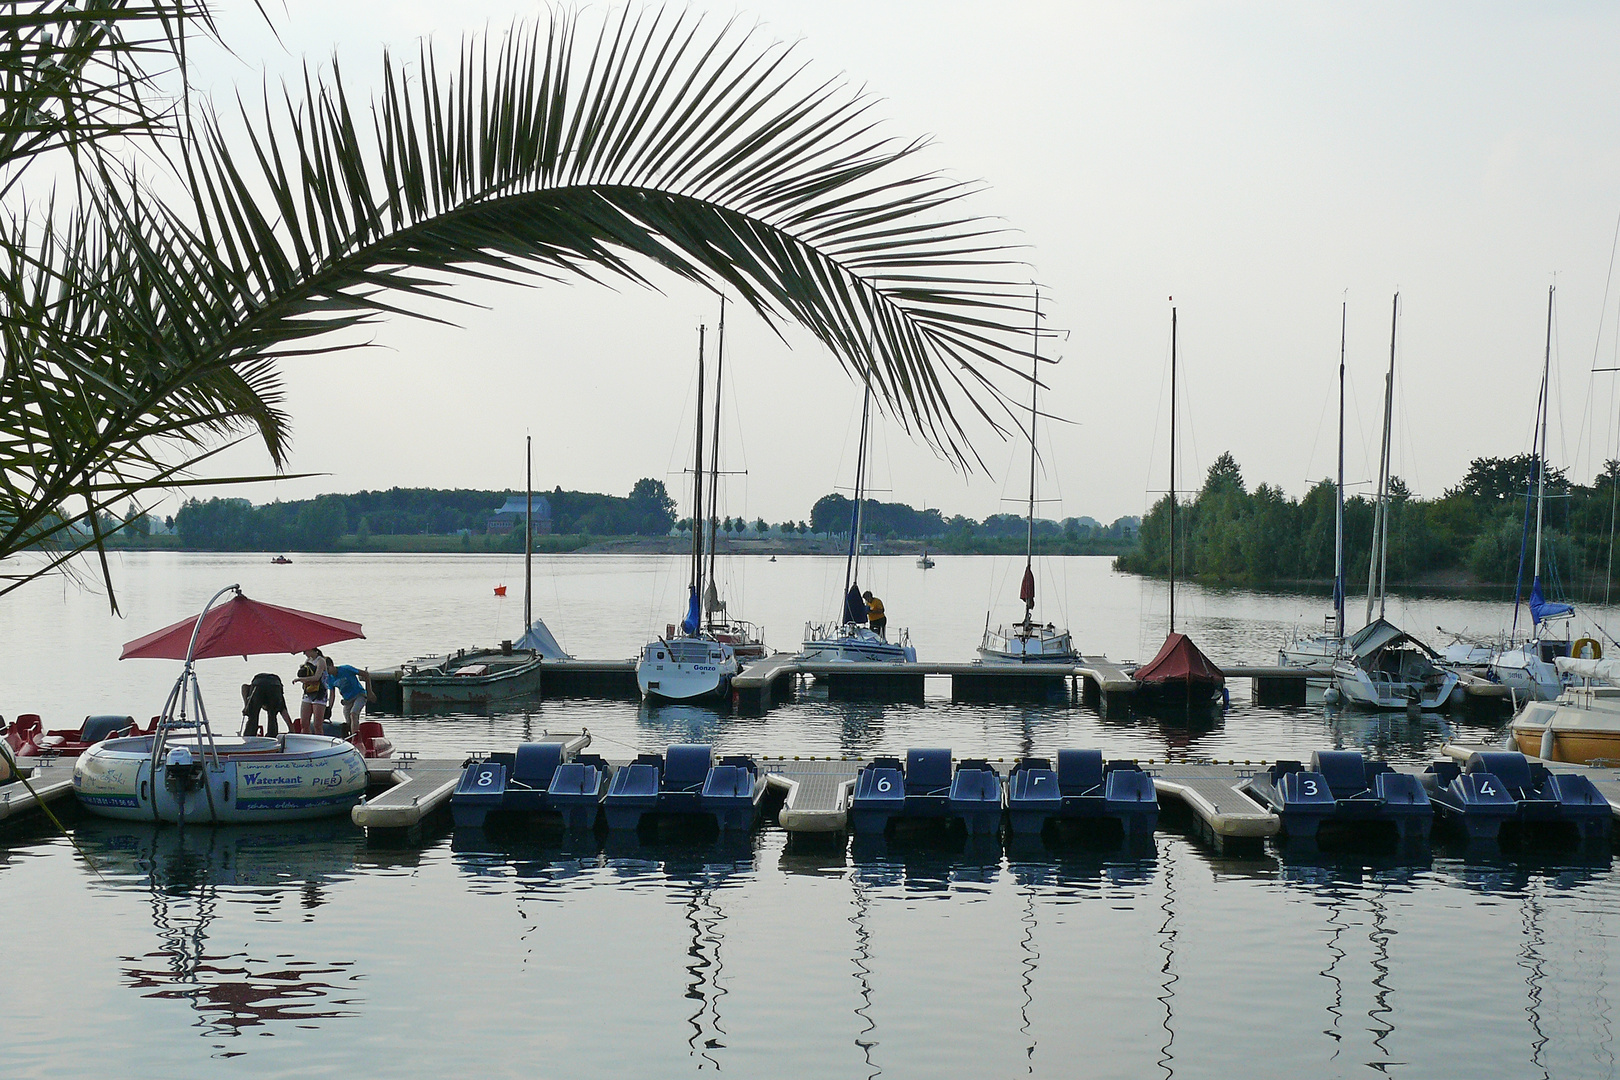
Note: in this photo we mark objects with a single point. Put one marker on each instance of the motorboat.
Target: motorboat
(185, 774)
(687, 662)
(1386, 668)
(924, 562)
(182, 772)
(850, 639)
(470, 677)
(1582, 724)
(1027, 641)
(479, 677)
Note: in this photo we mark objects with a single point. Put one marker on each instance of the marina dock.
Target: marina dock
(1096, 681)
(810, 795)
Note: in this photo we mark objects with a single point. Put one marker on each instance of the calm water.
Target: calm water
(305, 951)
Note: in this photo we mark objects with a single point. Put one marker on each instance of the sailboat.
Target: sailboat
(1528, 666)
(1028, 641)
(1180, 675)
(747, 640)
(690, 664)
(1324, 648)
(849, 638)
(501, 673)
(1382, 666)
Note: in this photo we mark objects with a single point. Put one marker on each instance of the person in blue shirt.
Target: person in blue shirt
(346, 679)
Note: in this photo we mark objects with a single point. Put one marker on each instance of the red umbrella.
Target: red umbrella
(243, 627)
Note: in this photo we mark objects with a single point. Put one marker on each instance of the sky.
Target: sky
(1260, 163)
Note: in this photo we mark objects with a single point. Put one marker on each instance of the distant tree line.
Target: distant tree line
(1226, 533)
(319, 524)
(995, 534)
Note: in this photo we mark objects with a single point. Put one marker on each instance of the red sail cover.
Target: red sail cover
(1180, 661)
(1026, 592)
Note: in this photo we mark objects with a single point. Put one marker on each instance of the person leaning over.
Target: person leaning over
(264, 694)
(874, 615)
(346, 680)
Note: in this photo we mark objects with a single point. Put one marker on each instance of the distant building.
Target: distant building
(511, 514)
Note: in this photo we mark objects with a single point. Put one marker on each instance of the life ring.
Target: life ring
(1579, 649)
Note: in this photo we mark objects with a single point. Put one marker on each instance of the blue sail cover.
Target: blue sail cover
(694, 614)
(854, 606)
(1541, 608)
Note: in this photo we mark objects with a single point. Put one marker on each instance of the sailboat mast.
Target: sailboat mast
(697, 481)
(1380, 533)
(855, 510)
(1172, 470)
(1383, 492)
(1541, 434)
(1338, 499)
(1034, 388)
(714, 458)
(528, 534)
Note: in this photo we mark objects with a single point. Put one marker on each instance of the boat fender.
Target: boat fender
(1226, 698)
(1579, 649)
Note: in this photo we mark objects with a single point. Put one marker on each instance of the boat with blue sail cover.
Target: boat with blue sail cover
(688, 663)
(851, 637)
(1528, 665)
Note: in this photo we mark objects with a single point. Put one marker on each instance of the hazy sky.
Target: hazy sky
(1258, 162)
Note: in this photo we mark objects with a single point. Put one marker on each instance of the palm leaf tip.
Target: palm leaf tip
(562, 148)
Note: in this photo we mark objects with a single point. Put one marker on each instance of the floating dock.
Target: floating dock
(1095, 681)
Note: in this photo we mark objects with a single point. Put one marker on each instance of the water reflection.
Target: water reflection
(187, 874)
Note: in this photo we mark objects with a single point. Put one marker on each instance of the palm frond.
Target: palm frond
(557, 153)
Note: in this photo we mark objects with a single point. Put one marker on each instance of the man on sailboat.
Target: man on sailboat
(875, 618)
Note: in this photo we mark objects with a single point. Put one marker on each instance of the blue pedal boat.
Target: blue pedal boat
(539, 778)
(924, 787)
(1497, 788)
(1083, 786)
(1343, 788)
(686, 781)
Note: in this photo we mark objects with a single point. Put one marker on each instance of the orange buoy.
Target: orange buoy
(500, 590)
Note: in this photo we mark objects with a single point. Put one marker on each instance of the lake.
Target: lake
(305, 950)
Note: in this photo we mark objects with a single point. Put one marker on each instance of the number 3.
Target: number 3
(1310, 787)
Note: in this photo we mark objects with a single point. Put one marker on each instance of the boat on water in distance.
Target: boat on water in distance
(924, 562)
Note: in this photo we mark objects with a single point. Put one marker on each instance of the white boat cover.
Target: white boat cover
(540, 640)
(1607, 670)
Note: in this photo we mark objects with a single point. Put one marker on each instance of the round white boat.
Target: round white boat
(227, 780)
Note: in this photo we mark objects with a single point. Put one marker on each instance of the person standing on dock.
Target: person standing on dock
(875, 618)
(346, 680)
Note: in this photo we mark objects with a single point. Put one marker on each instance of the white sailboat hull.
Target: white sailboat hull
(1020, 644)
(1378, 690)
(855, 644)
(685, 669)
